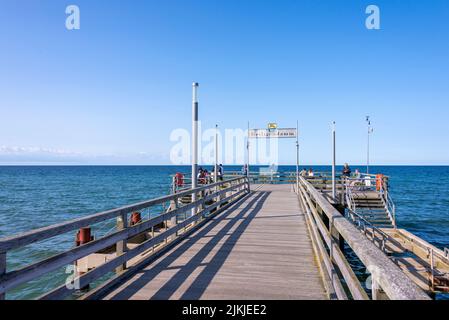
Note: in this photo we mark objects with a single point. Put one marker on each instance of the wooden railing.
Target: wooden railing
(328, 229)
(210, 198)
(266, 177)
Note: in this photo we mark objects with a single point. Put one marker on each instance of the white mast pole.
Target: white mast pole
(216, 154)
(194, 140)
(334, 191)
(297, 153)
(247, 153)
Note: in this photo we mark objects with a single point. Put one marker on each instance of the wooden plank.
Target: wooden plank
(234, 247)
(99, 291)
(110, 265)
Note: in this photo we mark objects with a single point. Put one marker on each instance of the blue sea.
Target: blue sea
(37, 196)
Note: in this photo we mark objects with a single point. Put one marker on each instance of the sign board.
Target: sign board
(276, 133)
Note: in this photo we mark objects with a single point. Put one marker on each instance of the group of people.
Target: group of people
(204, 176)
(346, 172)
(306, 173)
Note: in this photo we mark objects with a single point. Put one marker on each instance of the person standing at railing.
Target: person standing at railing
(310, 173)
(200, 176)
(303, 172)
(220, 172)
(357, 174)
(346, 171)
(245, 170)
(206, 175)
(357, 178)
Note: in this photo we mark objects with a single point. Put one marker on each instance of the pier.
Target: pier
(260, 242)
(277, 236)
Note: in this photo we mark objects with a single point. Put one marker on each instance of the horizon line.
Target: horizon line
(206, 165)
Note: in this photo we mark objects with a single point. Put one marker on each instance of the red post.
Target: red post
(83, 236)
(135, 218)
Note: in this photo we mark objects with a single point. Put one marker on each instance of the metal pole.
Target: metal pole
(367, 154)
(247, 152)
(297, 154)
(194, 140)
(216, 154)
(367, 145)
(334, 195)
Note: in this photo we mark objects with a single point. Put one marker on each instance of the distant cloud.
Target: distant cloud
(7, 150)
(41, 155)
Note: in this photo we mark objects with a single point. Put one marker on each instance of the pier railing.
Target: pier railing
(176, 222)
(329, 229)
(264, 177)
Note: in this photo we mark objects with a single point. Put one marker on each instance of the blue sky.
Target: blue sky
(113, 91)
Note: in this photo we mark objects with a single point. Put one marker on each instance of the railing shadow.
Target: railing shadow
(199, 285)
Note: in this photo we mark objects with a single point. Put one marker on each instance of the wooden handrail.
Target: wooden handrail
(389, 276)
(110, 265)
(12, 279)
(338, 257)
(17, 241)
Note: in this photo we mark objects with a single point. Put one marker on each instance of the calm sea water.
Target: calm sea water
(32, 197)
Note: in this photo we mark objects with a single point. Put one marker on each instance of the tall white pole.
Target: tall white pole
(216, 154)
(368, 122)
(334, 191)
(367, 155)
(194, 140)
(297, 153)
(247, 153)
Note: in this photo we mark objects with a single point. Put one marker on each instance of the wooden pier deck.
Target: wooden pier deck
(235, 240)
(257, 249)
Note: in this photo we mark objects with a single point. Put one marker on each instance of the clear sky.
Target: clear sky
(113, 91)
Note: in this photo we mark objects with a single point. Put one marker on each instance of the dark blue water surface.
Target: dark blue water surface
(36, 196)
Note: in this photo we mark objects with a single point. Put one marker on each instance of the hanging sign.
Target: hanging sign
(273, 133)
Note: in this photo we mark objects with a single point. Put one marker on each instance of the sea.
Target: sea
(36, 196)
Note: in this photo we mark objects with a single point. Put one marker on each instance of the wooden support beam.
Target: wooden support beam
(122, 223)
(2, 270)
(377, 292)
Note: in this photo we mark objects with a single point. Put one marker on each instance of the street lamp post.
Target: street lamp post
(370, 130)
(297, 154)
(334, 191)
(247, 153)
(216, 154)
(194, 140)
